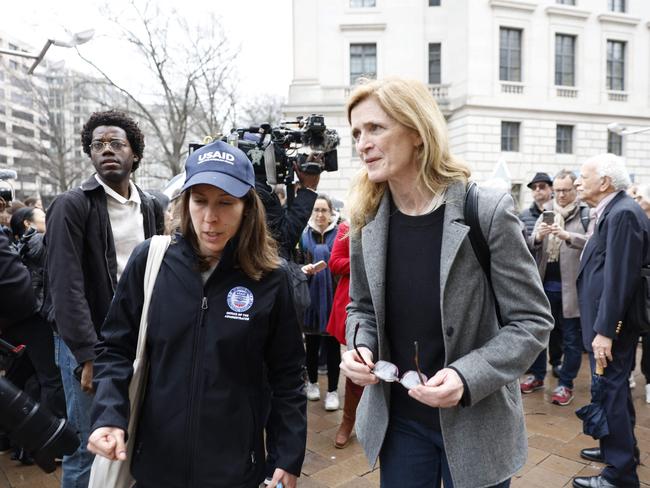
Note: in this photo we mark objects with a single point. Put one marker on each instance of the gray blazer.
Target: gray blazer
(486, 441)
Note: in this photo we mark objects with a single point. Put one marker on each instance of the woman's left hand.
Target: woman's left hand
(443, 390)
(288, 480)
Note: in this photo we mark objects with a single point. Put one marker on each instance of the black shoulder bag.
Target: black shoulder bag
(477, 239)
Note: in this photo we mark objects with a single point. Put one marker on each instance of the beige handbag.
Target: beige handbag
(117, 474)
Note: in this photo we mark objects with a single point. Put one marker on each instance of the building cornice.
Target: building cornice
(514, 4)
(613, 18)
(380, 26)
(577, 111)
(567, 11)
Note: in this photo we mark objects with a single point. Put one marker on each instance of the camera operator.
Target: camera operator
(27, 425)
(287, 223)
(17, 301)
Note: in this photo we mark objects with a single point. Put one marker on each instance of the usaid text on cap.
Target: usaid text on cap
(219, 156)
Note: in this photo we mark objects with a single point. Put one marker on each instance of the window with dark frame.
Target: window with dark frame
(510, 136)
(22, 131)
(616, 5)
(614, 143)
(616, 65)
(19, 114)
(509, 54)
(363, 61)
(566, 2)
(564, 139)
(362, 3)
(434, 3)
(565, 48)
(434, 63)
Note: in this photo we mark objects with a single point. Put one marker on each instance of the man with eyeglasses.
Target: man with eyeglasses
(91, 232)
(557, 242)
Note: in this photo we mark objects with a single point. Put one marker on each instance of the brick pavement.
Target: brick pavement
(555, 440)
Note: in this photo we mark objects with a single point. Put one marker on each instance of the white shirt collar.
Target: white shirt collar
(134, 196)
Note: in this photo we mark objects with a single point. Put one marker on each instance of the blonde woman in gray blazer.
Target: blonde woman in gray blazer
(420, 300)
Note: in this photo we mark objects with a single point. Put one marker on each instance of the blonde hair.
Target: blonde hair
(256, 253)
(410, 103)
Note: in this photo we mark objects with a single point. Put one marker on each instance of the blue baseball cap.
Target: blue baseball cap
(222, 165)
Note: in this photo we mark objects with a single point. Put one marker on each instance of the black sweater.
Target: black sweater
(413, 305)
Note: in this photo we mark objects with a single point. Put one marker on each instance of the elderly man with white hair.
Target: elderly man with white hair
(610, 272)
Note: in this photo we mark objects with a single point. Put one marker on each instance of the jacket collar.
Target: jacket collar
(609, 206)
(331, 226)
(591, 243)
(454, 231)
(90, 184)
(227, 260)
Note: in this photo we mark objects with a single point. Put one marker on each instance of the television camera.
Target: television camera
(305, 142)
(6, 188)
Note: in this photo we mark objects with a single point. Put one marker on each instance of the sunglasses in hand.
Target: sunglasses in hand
(387, 371)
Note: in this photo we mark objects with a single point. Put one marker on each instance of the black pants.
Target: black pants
(645, 357)
(38, 361)
(333, 352)
(618, 447)
(555, 346)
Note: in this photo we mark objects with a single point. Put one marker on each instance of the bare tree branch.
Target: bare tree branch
(188, 66)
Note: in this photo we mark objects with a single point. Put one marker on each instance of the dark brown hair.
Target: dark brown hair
(257, 251)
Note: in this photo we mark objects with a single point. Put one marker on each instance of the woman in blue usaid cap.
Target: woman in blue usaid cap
(221, 314)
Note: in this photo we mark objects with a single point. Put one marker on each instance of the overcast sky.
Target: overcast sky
(251, 24)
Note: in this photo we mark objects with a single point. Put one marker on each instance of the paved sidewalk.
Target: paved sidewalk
(555, 440)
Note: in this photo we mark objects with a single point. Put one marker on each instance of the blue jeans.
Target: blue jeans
(571, 344)
(76, 468)
(413, 455)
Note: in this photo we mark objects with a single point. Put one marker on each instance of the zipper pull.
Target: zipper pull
(204, 303)
(253, 457)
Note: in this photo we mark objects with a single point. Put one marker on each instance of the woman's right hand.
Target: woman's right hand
(353, 367)
(108, 442)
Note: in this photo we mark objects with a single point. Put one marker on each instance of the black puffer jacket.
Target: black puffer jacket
(202, 419)
(529, 216)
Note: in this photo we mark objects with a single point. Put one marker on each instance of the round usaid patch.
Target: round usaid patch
(240, 299)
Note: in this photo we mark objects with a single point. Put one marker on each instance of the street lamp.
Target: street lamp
(75, 40)
(622, 130)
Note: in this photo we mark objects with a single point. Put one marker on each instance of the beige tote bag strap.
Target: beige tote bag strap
(117, 474)
(157, 250)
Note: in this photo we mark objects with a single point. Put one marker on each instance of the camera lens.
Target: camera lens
(41, 434)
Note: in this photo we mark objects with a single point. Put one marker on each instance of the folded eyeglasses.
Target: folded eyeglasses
(387, 371)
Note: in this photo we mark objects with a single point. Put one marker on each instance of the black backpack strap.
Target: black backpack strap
(477, 239)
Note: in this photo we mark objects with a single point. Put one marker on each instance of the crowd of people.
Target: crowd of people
(439, 346)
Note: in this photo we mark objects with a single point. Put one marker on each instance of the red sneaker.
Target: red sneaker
(531, 384)
(562, 396)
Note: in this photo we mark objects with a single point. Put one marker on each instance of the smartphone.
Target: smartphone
(548, 217)
(320, 266)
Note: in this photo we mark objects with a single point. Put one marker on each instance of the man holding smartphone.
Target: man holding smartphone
(557, 241)
(541, 186)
